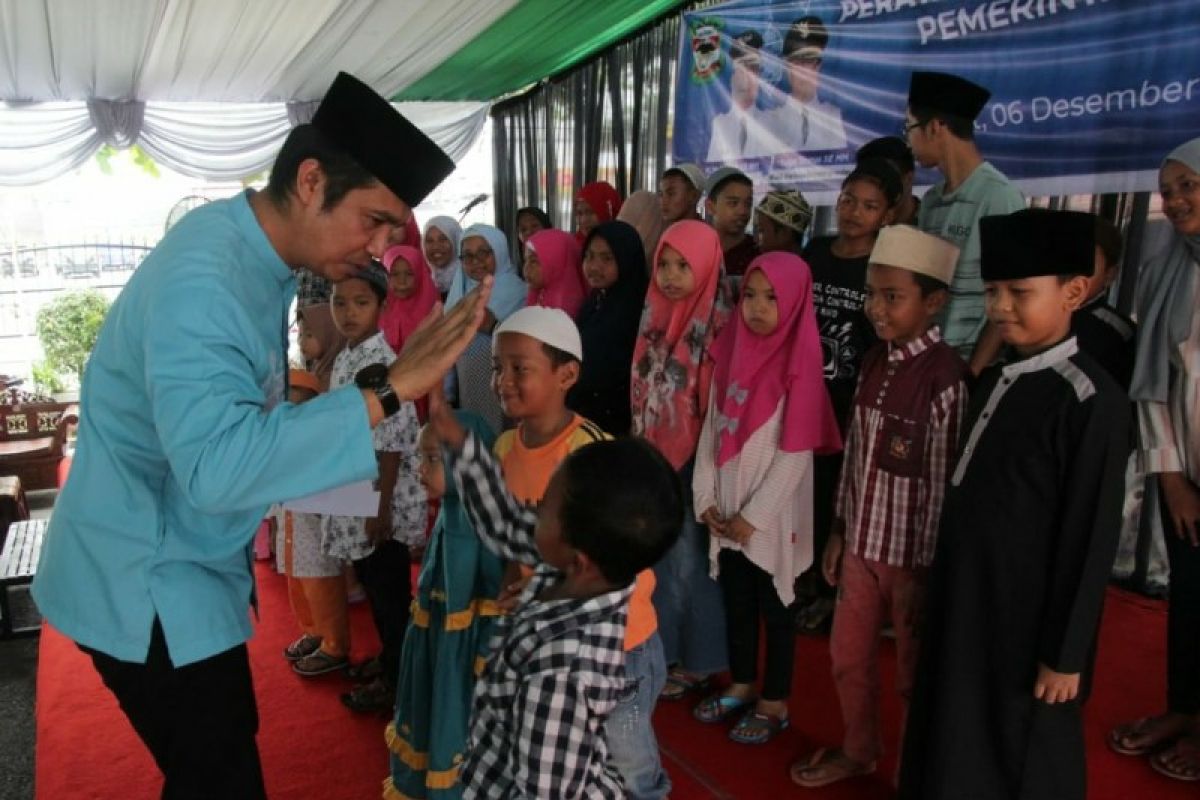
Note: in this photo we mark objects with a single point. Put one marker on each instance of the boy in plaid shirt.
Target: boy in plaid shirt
(903, 431)
(556, 671)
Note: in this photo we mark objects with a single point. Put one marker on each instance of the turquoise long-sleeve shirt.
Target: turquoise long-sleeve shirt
(184, 440)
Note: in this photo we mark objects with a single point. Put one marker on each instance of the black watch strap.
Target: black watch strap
(388, 399)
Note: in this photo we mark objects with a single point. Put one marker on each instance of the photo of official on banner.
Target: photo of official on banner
(1085, 94)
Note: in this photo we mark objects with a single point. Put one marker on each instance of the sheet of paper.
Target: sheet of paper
(352, 500)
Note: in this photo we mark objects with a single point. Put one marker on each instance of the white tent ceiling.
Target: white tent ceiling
(226, 50)
(211, 87)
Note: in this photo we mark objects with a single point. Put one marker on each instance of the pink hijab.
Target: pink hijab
(399, 318)
(671, 358)
(562, 271)
(603, 198)
(753, 373)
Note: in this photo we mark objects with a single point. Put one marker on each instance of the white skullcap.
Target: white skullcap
(905, 247)
(549, 325)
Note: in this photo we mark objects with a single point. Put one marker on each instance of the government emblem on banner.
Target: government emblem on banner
(706, 49)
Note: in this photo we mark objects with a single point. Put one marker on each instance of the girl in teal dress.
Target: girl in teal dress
(447, 640)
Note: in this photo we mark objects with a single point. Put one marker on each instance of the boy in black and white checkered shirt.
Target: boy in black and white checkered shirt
(556, 669)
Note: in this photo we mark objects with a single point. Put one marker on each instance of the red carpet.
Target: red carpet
(312, 747)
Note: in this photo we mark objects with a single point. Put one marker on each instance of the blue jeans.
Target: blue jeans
(689, 604)
(631, 743)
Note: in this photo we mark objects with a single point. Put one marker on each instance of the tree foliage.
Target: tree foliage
(68, 326)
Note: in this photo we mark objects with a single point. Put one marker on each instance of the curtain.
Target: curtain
(609, 119)
(219, 141)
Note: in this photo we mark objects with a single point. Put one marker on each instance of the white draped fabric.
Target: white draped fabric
(209, 88)
(220, 141)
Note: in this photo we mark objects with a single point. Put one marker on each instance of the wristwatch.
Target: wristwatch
(374, 377)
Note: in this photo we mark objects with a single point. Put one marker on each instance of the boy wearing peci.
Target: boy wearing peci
(940, 128)
(903, 432)
(1027, 538)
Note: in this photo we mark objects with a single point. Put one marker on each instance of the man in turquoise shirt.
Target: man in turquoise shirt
(185, 438)
(940, 128)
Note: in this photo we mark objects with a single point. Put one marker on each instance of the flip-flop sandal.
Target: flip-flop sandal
(319, 663)
(719, 707)
(1137, 730)
(304, 646)
(1189, 750)
(758, 728)
(825, 766)
(680, 684)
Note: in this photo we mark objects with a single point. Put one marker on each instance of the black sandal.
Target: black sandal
(376, 697)
(365, 671)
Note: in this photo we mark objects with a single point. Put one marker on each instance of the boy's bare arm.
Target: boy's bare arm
(379, 529)
(503, 524)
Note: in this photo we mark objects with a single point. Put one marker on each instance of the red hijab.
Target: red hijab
(562, 271)
(400, 317)
(666, 387)
(753, 373)
(603, 199)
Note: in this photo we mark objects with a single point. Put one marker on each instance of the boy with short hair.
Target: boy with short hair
(729, 205)
(557, 673)
(1104, 333)
(911, 398)
(679, 192)
(940, 127)
(537, 355)
(1027, 539)
(896, 152)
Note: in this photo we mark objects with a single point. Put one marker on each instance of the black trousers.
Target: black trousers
(198, 721)
(1183, 621)
(750, 595)
(387, 579)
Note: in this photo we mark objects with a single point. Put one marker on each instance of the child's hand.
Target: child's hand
(379, 530)
(1055, 687)
(1183, 504)
(713, 519)
(510, 594)
(739, 530)
(445, 425)
(831, 559)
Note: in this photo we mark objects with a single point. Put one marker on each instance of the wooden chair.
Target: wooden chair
(33, 437)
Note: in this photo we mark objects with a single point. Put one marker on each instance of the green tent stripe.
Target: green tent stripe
(535, 39)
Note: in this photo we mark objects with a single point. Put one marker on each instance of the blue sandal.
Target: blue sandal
(757, 728)
(720, 707)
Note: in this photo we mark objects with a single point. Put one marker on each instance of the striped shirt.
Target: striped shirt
(1169, 440)
(903, 433)
(556, 670)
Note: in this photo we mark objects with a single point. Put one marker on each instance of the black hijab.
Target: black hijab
(608, 326)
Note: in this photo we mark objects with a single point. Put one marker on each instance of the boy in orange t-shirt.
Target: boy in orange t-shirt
(536, 359)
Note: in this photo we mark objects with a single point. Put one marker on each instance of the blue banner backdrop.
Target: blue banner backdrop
(1087, 95)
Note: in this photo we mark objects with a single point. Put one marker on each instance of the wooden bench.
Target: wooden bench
(18, 565)
(33, 437)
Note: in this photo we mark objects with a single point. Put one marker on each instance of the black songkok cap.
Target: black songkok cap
(950, 94)
(1034, 242)
(746, 43)
(372, 132)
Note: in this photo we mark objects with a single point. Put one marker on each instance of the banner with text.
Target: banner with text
(1087, 95)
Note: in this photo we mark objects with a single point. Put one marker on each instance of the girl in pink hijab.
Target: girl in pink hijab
(768, 413)
(554, 272)
(686, 305)
(411, 295)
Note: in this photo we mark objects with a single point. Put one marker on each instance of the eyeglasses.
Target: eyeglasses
(907, 128)
(476, 256)
(805, 61)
